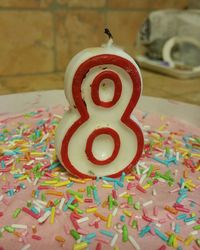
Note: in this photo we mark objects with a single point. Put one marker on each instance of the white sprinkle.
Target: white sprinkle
(173, 225)
(134, 243)
(44, 203)
(61, 203)
(27, 246)
(38, 204)
(142, 179)
(19, 226)
(145, 171)
(81, 220)
(158, 224)
(30, 162)
(105, 182)
(175, 172)
(115, 211)
(154, 192)
(114, 240)
(57, 116)
(138, 169)
(44, 138)
(147, 203)
(177, 156)
(161, 180)
(35, 181)
(190, 222)
(1, 197)
(29, 180)
(44, 217)
(194, 232)
(122, 194)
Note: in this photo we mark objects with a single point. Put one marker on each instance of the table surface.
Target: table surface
(25, 102)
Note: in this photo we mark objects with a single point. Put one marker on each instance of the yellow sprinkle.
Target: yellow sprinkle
(116, 248)
(189, 240)
(80, 246)
(53, 210)
(50, 182)
(146, 186)
(37, 153)
(63, 183)
(107, 186)
(91, 210)
(109, 222)
(195, 155)
(125, 196)
(127, 213)
(79, 199)
(129, 178)
(59, 238)
(22, 177)
(193, 214)
(76, 180)
(175, 243)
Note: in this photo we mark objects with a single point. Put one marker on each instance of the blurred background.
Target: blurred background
(39, 37)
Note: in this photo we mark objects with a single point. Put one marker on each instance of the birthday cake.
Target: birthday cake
(155, 206)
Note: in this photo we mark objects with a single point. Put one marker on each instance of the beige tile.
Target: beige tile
(21, 84)
(77, 30)
(25, 3)
(162, 86)
(137, 4)
(26, 42)
(181, 4)
(83, 3)
(125, 26)
(162, 4)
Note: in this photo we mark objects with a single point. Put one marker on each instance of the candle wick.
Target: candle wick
(108, 33)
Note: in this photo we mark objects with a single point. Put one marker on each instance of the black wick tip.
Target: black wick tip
(107, 32)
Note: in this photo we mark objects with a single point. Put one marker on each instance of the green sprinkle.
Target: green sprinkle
(197, 227)
(130, 200)
(137, 205)
(134, 224)
(110, 202)
(16, 213)
(124, 233)
(75, 234)
(9, 229)
(72, 192)
(171, 240)
(89, 191)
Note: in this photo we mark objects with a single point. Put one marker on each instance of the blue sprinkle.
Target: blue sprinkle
(107, 233)
(69, 202)
(122, 218)
(144, 231)
(181, 216)
(177, 228)
(160, 234)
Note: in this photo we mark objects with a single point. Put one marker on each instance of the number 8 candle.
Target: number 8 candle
(97, 136)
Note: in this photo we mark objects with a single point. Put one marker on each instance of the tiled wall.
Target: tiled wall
(40, 36)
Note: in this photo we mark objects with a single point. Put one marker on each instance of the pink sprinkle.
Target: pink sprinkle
(141, 189)
(161, 221)
(163, 247)
(36, 237)
(28, 211)
(131, 219)
(98, 247)
(74, 222)
(114, 194)
(146, 218)
(171, 217)
(66, 228)
(145, 211)
(82, 231)
(88, 200)
(1, 214)
(101, 239)
(155, 211)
